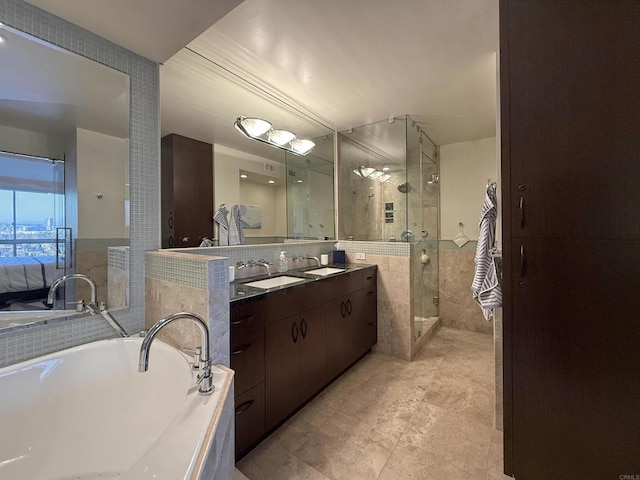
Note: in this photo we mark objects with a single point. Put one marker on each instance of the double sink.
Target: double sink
(284, 280)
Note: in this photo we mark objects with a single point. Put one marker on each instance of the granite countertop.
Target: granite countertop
(238, 290)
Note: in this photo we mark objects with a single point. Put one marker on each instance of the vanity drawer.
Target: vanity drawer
(249, 419)
(292, 300)
(369, 277)
(247, 344)
(343, 284)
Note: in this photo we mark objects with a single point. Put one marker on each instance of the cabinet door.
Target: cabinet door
(282, 369)
(576, 350)
(312, 359)
(573, 100)
(337, 337)
(249, 418)
(247, 344)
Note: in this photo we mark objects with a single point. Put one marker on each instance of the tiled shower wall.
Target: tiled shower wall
(21, 343)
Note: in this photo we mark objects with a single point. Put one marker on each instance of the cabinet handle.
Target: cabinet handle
(370, 278)
(242, 348)
(521, 205)
(343, 309)
(243, 407)
(370, 293)
(294, 332)
(303, 328)
(242, 320)
(349, 307)
(523, 262)
(370, 324)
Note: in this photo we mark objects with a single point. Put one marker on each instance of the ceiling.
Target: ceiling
(346, 63)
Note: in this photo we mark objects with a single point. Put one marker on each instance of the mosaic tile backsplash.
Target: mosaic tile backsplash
(22, 343)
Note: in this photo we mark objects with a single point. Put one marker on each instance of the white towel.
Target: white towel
(220, 217)
(486, 287)
(236, 233)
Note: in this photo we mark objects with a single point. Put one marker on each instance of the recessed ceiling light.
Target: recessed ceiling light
(385, 169)
(299, 181)
(243, 176)
(272, 181)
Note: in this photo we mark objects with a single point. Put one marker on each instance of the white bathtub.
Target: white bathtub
(86, 413)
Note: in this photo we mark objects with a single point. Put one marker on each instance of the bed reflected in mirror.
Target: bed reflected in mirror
(64, 180)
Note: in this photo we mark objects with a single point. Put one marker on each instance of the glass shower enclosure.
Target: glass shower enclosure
(389, 192)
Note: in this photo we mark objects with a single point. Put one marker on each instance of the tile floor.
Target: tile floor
(387, 419)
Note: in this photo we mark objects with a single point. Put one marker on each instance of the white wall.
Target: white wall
(101, 169)
(228, 188)
(269, 199)
(37, 144)
(464, 170)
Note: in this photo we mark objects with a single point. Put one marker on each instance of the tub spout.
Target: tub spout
(205, 380)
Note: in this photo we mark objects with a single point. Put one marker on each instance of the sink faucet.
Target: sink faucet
(206, 379)
(92, 307)
(308, 257)
(265, 264)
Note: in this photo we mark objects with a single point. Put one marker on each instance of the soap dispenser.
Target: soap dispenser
(283, 264)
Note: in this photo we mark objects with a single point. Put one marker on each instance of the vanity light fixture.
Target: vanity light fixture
(262, 131)
(371, 173)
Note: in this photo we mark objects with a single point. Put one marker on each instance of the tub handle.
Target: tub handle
(242, 320)
(243, 407)
(242, 348)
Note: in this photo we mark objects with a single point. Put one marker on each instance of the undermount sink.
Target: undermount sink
(325, 271)
(274, 282)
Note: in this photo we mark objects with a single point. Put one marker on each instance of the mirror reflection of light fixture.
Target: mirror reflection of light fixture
(371, 173)
(256, 128)
(302, 146)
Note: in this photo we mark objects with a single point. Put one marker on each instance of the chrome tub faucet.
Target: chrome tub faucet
(205, 380)
(93, 308)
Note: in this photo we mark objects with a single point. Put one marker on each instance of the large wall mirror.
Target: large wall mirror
(282, 195)
(64, 177)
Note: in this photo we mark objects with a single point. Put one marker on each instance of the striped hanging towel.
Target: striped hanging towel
(486, 287)
(220, 217)
(236, 233)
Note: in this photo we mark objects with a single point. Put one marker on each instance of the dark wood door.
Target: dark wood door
(313, 354)
(570, 154)
(249, 419)
(282, 369)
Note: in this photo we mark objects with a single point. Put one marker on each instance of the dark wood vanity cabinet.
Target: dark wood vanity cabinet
(295, 362)
(289, 344)
(351, 320)
(247, 360)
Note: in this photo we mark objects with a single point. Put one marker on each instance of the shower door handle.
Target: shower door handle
(521, 205)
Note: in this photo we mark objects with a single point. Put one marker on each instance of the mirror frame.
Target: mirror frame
(144, 154)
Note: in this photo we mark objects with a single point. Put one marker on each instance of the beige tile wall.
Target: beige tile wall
(458, 309)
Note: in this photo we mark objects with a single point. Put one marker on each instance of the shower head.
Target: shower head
(404, 187)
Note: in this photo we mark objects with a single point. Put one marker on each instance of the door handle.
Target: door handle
(242, 348)
(243, 407)
(349, 307)
(521, 205)
(294, 332)
(242, 320)
(523, 262)
(303, 328)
